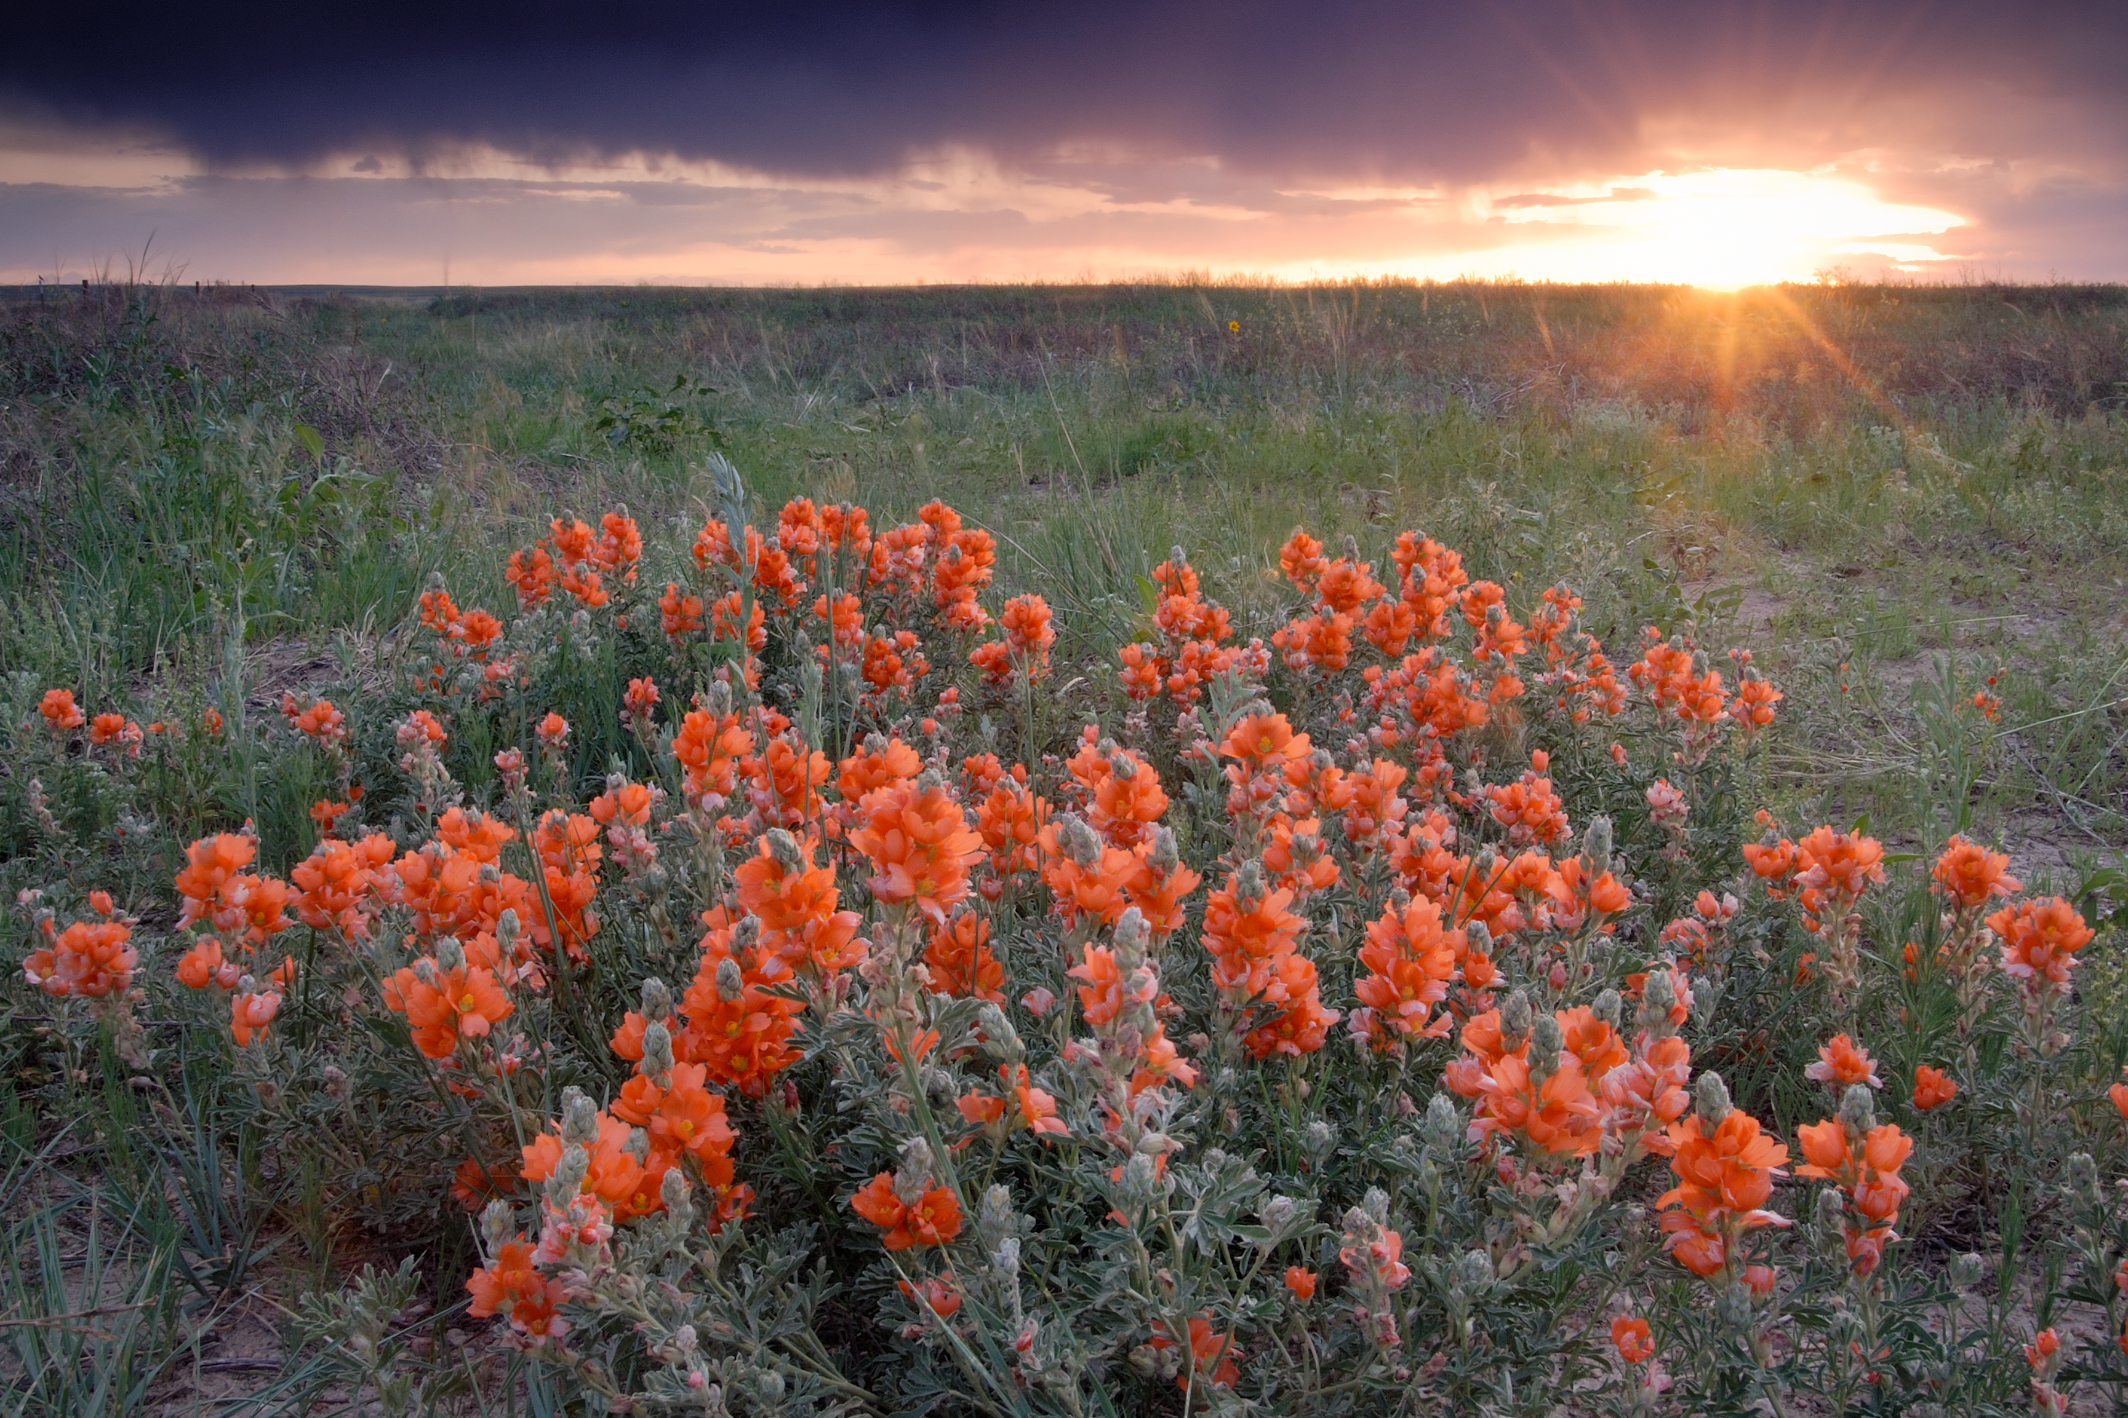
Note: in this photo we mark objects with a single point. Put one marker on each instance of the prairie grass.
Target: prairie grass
(1899, 498)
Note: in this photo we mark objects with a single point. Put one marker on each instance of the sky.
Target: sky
(1717, 142)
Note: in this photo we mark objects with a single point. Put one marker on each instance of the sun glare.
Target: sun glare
(1721, 228)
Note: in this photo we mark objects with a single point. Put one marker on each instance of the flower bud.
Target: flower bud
(657, 1050)
(917, 1162)
(508, 927)
(1479, 937)
(1966, 1270)
(497, 1224)
(1141, 1179)
(568, 1176)
(731, 985)
(678, 1194)
(745, 933)
(1711, 1098)
(783, 847)
(1515, 1019)
(637, 1145)
(1607, 1007)
(1078, 840)
(1733, 1308)
(579, 1117)
(1830, 1209)
(1442, 1131)
(1006, 1258)
(1277, 1215)
(1000, 1039)
(1165, 855)
(657, 999)
(1596, 846)
(993, 1217)
(450, 955)
(1474, 1272)
(1249, 882)
(2083, 1181)
(1546, 1040)
(1858, 1109)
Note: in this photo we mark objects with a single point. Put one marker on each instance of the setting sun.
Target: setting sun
(1721, 228)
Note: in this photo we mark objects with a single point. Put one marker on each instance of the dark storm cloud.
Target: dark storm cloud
(1433, 90)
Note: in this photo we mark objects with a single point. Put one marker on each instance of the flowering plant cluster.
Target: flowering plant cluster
(1385, 1011)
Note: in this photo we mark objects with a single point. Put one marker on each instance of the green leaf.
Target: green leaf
(311, 439)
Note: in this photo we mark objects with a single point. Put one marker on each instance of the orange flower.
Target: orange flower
(510, 1286)
(1029, 634)
(709, 750)
(474, 1184)
(935, 1293)
(1302, 1025)
(60, 711)
(919, 842)
(2119, 1094)
(1865, 1167)
(1301, 558)
(1630, 1338)
(441, 1006)
(1211, 1353)
(2040, 940)
(1970, 875)
(1411, 961)
(1840, 1064)
(111, 728)
(1724, 1176)
(931, 1218)
(1106, 991)
(680, 614)
(959, 959)
(338, 884)
(1025, 1106)
(531, 574)
(319, 720)
(1840, 863)
(786, 896)
(1932, 1088)
(203, 965)
(249, 1014)
(681, 1117)
(736, 1028)
(1097, 887)
(89, 958)
(210, 863)
(1753, 706)
(1301, 1282)
(640, 703)
(630, 803)
(1263, 742)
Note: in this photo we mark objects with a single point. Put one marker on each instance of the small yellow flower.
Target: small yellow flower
(1233, 327)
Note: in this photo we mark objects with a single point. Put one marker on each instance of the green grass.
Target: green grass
(1908, 482)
